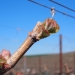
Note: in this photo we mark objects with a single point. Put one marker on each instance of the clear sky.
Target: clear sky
(18, 17)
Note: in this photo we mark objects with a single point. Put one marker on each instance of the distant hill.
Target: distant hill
(50, 61)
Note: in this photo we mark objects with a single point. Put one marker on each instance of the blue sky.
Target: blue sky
(18, 17)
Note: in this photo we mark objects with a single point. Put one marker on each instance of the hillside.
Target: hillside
(48, 61)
